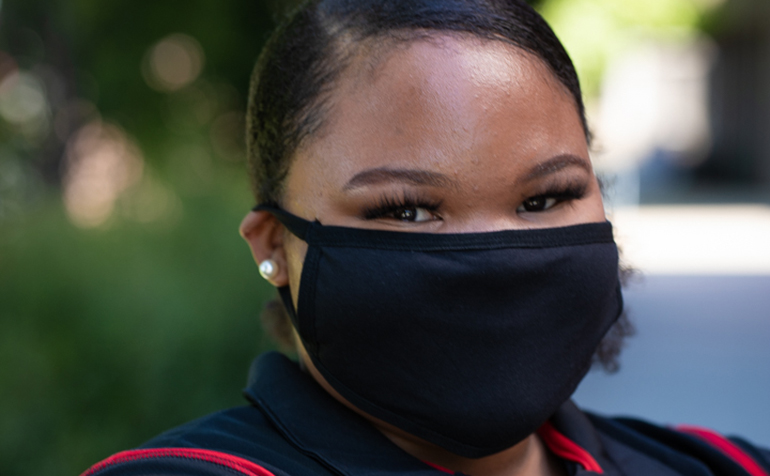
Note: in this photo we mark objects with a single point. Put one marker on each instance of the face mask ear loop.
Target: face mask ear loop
(296, 225)
(285, 295)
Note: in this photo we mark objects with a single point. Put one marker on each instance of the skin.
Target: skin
(479, 130)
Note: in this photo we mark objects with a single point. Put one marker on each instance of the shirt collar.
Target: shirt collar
(347, 444)
(321, 426)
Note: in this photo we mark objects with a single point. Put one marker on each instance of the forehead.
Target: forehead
(445, 57)
(439, 103)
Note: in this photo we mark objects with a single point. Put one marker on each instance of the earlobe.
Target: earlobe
(264, 235)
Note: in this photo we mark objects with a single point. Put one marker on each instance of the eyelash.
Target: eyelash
(387, 206)
(561, 193)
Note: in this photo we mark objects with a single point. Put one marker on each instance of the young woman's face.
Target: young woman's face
(449, 135)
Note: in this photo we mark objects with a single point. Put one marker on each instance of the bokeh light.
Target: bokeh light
(102, 162)
(22, 98)
(173, 63)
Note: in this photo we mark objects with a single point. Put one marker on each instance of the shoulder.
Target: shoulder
(238, 441)
(685, 449)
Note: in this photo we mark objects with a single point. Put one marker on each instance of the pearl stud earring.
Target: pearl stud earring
(268, 269)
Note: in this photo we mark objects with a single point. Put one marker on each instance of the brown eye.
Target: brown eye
(537, 204)
(405, 209)
(406, 214)
(414, 214)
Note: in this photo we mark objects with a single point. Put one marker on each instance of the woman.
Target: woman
(430, 217)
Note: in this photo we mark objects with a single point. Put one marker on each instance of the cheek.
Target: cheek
(594, 206)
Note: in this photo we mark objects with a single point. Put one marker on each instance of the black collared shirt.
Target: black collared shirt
(294, 428)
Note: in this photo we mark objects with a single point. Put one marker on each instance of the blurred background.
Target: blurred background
(128, 303)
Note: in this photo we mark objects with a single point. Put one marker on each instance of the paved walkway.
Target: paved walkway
(701, 355)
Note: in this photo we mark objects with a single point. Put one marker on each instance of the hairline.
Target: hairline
(370, 52)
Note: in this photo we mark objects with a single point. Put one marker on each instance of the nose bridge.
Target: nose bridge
(478, 221)
(483, 204)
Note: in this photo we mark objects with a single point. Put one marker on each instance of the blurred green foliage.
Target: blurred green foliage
(111, 336)
(596, 31)
(112, 333)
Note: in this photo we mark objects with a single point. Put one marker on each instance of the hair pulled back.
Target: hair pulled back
(298, 67)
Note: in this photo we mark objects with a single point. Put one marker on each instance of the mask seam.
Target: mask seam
(436, 248)
(576, 235)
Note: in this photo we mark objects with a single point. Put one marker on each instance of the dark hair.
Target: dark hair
(302, 60)
(298, 67)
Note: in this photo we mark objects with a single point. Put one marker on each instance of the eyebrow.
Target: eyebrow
(555, 164)
(410, 176)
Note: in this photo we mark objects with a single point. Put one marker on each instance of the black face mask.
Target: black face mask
(469, 341)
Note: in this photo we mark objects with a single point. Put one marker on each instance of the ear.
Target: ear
(264, 235)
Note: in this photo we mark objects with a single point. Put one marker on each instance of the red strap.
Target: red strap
(241, 465)
(725, 446)
(567, 449)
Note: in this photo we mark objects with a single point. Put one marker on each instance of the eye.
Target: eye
(407, 208)
(410, 214)
(537, 204)
(553, 196)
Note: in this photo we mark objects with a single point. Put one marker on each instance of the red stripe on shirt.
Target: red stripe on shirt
(725, 446)
(240, 465)
(567, 449)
